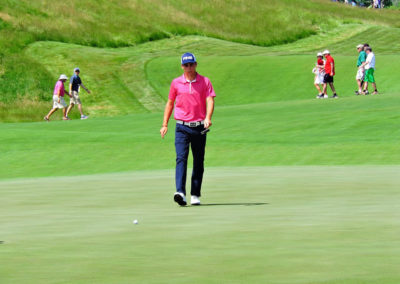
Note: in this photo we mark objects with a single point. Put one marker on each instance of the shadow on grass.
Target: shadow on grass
(234, 204)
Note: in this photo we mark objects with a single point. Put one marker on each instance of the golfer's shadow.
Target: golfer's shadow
(234, 204)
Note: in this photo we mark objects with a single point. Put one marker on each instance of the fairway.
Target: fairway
(256, 225)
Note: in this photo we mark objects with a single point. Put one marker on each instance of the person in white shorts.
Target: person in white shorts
(74, 86)
(319, 74)
(58, 98)
(360, 68)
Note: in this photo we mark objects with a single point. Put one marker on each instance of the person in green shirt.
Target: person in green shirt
(362, 56)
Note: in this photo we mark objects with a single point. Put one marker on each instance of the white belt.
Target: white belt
(191, 124)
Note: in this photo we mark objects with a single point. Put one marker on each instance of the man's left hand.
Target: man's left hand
(207, 123)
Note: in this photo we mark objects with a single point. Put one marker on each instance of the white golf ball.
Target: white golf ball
(135, 221)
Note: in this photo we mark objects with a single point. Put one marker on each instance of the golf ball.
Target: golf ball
(135, 221)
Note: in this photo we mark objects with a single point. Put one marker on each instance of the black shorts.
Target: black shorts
(328, 78)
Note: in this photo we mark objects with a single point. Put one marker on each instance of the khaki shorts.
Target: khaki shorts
(61, 104)
(75, 98)
(360, 74)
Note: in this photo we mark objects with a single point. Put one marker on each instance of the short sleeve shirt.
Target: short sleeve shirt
(75, 82)
(59, 87)
(328, 66)
(190, 97)
(370, 61)
(361, 58)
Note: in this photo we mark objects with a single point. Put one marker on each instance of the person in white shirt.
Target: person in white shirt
(369, 66)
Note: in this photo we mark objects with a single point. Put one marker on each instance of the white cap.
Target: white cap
(326, 52)
(360, 46)
(63, 77)
(77, 69)
(319, 54)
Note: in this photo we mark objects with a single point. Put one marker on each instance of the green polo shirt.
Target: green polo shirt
(361, 58)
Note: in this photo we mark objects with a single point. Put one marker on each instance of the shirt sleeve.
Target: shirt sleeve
(71, 81)
(172, 92)
(210, 89)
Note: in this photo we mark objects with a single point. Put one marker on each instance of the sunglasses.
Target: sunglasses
(189, 64)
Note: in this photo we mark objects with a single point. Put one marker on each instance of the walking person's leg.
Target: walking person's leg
(198, 145)
(80, 110)
(318, 88)
(53, 110)
(65, 117)
(332, 87)
(375, 89)
(71, 105)
(365, 88)
(182, 151)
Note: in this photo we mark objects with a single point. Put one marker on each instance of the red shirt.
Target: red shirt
(190, 97)
(328, 67)
(320, 61)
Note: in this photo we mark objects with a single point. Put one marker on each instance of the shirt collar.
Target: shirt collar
(184, 80)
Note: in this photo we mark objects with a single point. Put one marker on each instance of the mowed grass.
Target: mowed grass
(256, 225)
(347, 131)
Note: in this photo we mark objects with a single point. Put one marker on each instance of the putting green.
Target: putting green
(256, 225)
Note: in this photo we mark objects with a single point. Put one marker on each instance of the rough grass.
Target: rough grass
(136, 79)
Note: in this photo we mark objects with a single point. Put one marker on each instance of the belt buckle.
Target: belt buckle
(192, 124)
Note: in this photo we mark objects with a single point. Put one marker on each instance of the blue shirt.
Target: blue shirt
(76, 82)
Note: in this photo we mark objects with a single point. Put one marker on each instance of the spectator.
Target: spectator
(329, 73)
(360, 68)
(58, 98)
(369, 71)
(74, 86)
(319, 75)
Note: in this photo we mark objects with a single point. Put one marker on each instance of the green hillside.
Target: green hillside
(41, 39)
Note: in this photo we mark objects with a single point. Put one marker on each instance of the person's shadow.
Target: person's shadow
(234, 204)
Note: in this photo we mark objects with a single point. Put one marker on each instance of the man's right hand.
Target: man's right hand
(163, 131)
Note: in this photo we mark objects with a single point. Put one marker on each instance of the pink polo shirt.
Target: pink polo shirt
(59, 87)
(190, 97)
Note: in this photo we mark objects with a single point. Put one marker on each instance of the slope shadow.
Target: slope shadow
(234, 204)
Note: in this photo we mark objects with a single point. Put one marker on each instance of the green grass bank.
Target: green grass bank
(26, 79)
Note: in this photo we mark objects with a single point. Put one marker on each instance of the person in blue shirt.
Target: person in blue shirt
(74, 86)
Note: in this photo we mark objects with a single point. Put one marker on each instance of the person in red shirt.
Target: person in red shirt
(191, 96)
(329, 73)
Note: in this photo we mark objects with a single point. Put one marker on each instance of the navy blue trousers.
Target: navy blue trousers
(185, 136)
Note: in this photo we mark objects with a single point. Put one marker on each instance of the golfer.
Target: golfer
(360, 68)
(74, 86)
(58, 98)
(193, 96)
(329, 73)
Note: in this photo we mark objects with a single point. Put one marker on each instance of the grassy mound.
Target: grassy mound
(26, 79)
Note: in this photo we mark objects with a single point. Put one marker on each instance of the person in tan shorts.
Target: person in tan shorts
(74, 86)
(58, 98)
